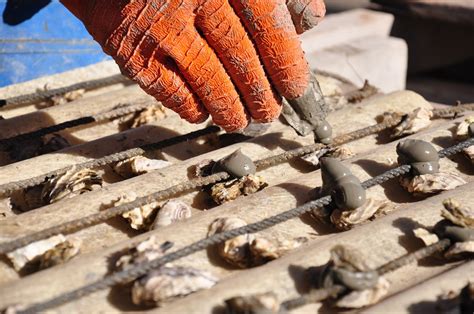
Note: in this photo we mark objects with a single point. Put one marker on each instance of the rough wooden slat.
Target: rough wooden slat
(347, 26)
(70, 111)
(423, 298)
(354, 60)
(91, 72)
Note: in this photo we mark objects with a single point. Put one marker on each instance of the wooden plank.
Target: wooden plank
(423, 298)
(340, 28)
(91, 72)
(70, 111)
(354, 60)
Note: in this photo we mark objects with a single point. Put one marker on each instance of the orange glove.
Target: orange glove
(205, 56)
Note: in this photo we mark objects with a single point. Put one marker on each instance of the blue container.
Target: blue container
(52, 41)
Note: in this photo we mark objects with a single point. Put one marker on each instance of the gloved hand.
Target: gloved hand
(220, 57)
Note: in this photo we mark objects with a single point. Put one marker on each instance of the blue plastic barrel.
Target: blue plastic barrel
(52, 41)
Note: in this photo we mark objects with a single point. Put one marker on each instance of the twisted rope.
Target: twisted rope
(115, 113)
(314, 296)
(409, 258)
(47, 94)
(447, 112)
(8, 188)
(389, 122)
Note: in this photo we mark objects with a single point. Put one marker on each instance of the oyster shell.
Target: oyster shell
(453, 251)
(140, 217)
(426, 236)
(253, 304)
(151, 114)
(170, 212)
(469, 152)
(431, 183)
(414, 122)
(456, 217)
(462, 133)
(22, 256)
(462, 130)
(458, 214)
(138, 165)
(456, 302)
(59, 254)
(346, 264)
(228, 191)
(145, 251)
(70, 184)
(339, 152)
(235, 251)
(167, 283)
(249, 250)
(314, 157)
(346, 219)
(67, 97)
(263, 250)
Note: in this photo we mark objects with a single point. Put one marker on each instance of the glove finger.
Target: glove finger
(127, 40)
(223, 31)
(171, 26)
(306, 14)
(270, 25)
(208, 79)
(162, 80)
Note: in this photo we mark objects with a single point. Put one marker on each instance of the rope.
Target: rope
(141, 269)
(413, 257)
(73, 123)
(8, 188)
(47, 94)
(447, 112)
(389, 122)
(314, 296)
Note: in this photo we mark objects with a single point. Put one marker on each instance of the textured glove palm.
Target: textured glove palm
(200, 57)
